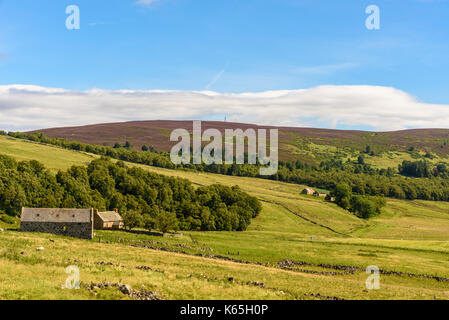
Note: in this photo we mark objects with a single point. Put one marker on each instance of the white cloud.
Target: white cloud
(24, 107)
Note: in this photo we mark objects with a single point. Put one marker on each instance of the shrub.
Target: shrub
(7, 219)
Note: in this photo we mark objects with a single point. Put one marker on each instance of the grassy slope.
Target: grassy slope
(54, 158)
(408, 237)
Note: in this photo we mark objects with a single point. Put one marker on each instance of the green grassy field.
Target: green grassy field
(409, 237)
(54, 158)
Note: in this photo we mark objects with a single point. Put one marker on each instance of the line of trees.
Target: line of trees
(423, 183)
(423, 168)
(145, 199)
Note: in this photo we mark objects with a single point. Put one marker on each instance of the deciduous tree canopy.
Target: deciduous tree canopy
(144, 198)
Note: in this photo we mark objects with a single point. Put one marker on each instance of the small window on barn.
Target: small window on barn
(38, 215)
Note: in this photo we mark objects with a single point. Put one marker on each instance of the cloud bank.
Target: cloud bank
(25, 107)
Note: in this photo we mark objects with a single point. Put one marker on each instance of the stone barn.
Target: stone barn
(319, 194)
(108, 220)
(308, 191)
(77, 223)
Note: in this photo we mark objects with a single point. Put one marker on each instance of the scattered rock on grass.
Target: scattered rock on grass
(144, 295)
(126, 289)
(255, 283)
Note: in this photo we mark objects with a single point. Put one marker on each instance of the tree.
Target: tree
(166, 221)
(342, 194)
(415, 168)
(144, 148)
(441, 168)
(366, 207)
(149, 222)
(100, 180)
(363, 207)
(128, 145)
(117, 145)
(132, 219)
(12, 197)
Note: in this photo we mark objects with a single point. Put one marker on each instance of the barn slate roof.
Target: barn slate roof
(109, 216)
(56, 215)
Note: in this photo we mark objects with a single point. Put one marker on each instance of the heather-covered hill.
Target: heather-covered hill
(307, 144)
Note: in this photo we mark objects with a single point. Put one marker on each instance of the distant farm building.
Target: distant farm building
(108, 220)
(78, 223)
(308, 191)
(329, 198)
(319, 194)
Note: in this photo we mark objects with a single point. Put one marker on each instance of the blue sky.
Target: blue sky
(227, 45)
(255, 45)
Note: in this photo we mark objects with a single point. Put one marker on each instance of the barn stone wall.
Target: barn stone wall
(83, 230)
